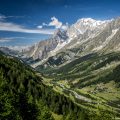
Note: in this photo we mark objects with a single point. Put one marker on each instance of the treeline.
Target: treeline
(19, 92)
(23, 96)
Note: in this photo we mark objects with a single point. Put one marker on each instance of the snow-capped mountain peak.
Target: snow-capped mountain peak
(91, 22)
(86, 24)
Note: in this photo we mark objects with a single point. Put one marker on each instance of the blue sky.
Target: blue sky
(24, 22)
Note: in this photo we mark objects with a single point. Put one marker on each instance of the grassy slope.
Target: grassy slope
(96, 76)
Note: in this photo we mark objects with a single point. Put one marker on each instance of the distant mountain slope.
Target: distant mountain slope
(106, 40)
(9, 51)
(45, 49)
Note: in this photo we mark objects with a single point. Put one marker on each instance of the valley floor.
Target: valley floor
(92, 84)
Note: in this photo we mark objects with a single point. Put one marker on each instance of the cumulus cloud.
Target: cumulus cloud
(40, 26)
(55, 23)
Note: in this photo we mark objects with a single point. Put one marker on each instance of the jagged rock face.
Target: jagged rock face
(105, 39)
(60, 35)
(42, 49)
(98, 41)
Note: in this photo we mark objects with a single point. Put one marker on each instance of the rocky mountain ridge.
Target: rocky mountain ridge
(86, 36)
(103, 38)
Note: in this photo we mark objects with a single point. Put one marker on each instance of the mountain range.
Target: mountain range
(84, 37)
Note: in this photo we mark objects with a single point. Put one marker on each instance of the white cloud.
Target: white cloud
(40, 26)
(3, 17)
(44, 24)
(10, 39)
(55, 22)
(2, 40)
(6, 26)
(64, 27)
(12, 27)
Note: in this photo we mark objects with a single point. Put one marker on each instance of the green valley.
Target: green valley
(91, 81)
(26, 94)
